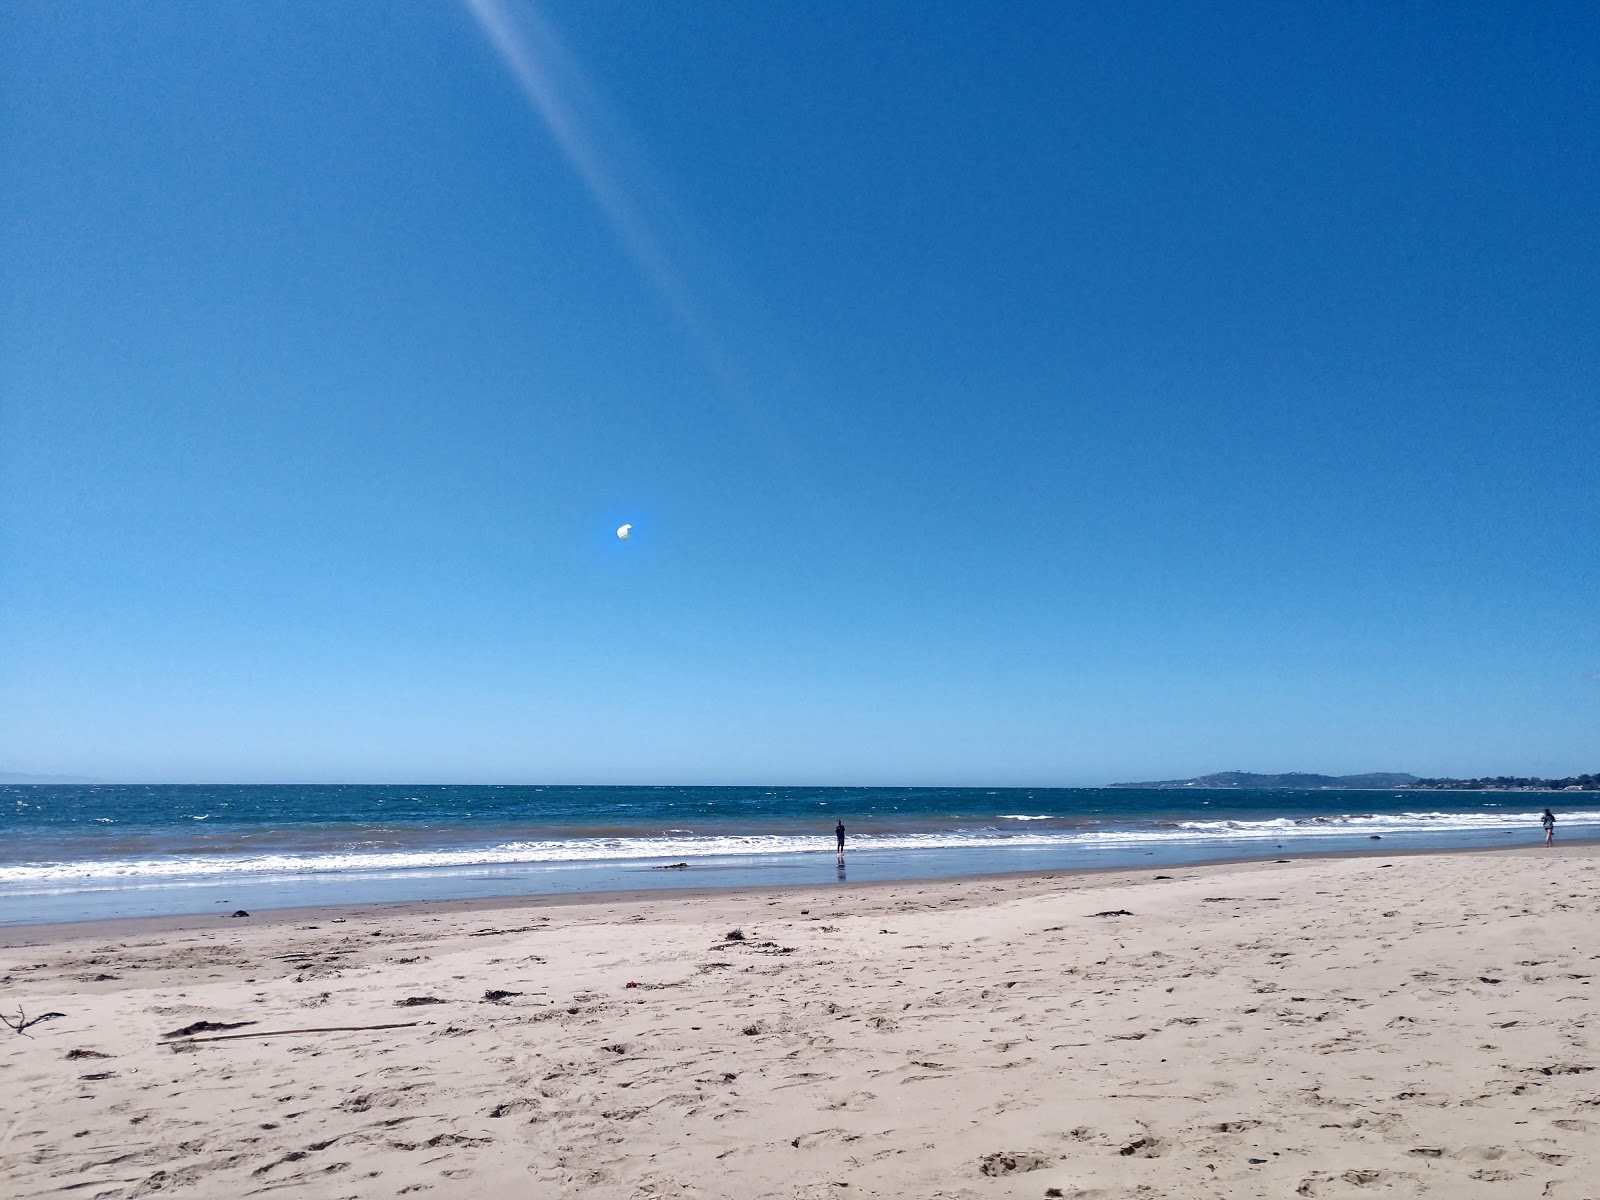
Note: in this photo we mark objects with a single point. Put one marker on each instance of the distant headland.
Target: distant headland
(1375, 781)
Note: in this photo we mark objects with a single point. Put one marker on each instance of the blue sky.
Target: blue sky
(1044, 394)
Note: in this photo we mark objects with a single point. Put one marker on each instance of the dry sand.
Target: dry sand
(1336, 1027)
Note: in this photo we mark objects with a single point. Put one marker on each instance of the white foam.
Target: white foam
(572, 851)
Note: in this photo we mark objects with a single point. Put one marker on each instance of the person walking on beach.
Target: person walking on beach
(838, 834)
(1548, 820)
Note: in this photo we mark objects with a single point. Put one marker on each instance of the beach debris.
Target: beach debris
(206, 1027)
(74, 1054)
(23, 1020)
(232, 1037)
(238, 912)
(1012, 1162)
(630, 984)
(1256, 1162)
(734, 935)
(1163, 876)
(337, 921)
(507, 1107)
(683, 866)
(1052, 1193)
(415, 1001)
(493, 932)
(753, 1030)
(1113, 912)
(494, 995)
(1374, 837)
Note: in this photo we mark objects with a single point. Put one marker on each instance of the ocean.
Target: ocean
(89, 852)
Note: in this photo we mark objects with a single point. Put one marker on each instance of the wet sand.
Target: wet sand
(1405, 1024)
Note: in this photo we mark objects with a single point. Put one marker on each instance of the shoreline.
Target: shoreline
(96, 854)
(14, 936)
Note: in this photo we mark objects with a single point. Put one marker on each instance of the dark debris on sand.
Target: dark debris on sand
(206, 1027)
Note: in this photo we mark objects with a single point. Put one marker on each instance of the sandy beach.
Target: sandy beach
(1342, 1027)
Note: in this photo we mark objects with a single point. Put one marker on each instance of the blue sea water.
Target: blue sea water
(82, 852)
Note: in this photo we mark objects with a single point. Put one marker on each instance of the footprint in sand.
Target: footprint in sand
(1361, 1177)
(1012, 1162)
(1145, 1147)
(854, 1102)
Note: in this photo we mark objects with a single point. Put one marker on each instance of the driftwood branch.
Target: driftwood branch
(23, 1020)
(231, 1037)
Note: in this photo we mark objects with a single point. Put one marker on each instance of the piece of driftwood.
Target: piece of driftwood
(231, 1037)
(205, 1027)
(496, 932)
(23, 1020)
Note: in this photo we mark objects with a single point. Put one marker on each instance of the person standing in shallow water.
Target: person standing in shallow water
(1548, 820)
(838, 835)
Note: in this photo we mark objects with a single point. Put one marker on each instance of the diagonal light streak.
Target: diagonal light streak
(655, 232)
(598, 150)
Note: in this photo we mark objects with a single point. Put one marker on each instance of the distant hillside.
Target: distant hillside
(1514, 783)
(1294, 779)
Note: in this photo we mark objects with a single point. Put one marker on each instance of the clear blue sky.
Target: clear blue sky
(1042, 394)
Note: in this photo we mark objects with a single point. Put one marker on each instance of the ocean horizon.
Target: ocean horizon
(76, 852)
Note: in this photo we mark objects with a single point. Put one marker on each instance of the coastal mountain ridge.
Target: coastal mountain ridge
(1302, 780)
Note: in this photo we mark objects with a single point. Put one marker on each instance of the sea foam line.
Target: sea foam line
(123, 872)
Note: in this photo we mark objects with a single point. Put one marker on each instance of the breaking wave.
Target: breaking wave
(175, 869)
